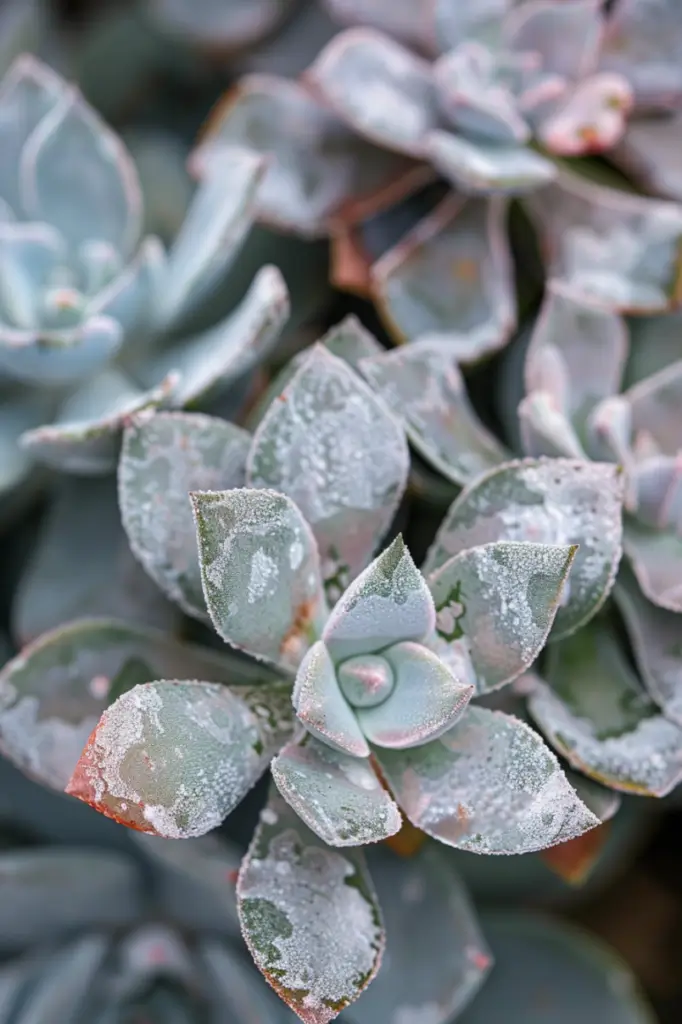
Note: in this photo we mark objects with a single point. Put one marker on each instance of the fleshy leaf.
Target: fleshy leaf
(422, 384)
(567, 37)
(213, 229)
(351, 341)
(29, 256)
(500, 600)
(333, 447)
(163, 458)
(379, 88)
(48, 892)
(591, 119)
(85, 438)
(388, 603)
(544, 430)
(655, 408)
(30, 90)
(459, 23)
(654, 344)
(488, 785)
(423, 896)
(321, 706)
(551, 501)
(642, 42)
(59, 357)
(129, 298)
(77, 175)
(656, 559)
(647, 152)
(474, 99)
(483, 168)
(404, 19)
(319, 172)
(213, 360)
(620, 249)
(309, 916)
(551, 971)
(451, 277)
(219, 25)
(82, 527)
(260, 572)
(175, 758)
(18, 415)
(339, 797)
(577, 352)
(52, 694)
(594, 712)
(656, 643)
(426, 701)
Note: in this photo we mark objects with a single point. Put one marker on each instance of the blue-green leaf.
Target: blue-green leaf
(323, 708)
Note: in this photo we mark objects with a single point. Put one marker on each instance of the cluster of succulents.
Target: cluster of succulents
(223, 601)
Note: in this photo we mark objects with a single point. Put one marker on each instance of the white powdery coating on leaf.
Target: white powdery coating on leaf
(263, 578)
(556, 501)
(329, 444)
(47, 748)
(333, 939)
(339, 797)
(489, 785)
(184, 753)
(645, 758)
(389, 602)
(502, 596)
(162, 460)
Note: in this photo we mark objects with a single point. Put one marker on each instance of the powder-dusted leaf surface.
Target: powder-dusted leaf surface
(85, 438)
(209, 362)
(422, 384)
(484, 168)
(319, 172)
(339, 797)
(175, 758)
(656, 559)
(550, 971)
(577, 352)
(378, 87)
(163, 458)
(567, 38)
(657, 644)
(620, 249)
(309, 916)
(423, 896)
(335, 449)
(216, 223)
(82, 528)
(499, 601)
(489, 785)
(322, 707)
(549, 501)
(594, 711)
(53, 693)
(351, 341)
(260, 571)
(451, 276)
(426, 701)
(389, 602)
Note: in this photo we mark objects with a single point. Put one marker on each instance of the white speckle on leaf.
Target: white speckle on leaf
(263, 578)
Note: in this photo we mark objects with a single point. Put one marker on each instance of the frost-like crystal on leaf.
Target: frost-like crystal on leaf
(309, 916)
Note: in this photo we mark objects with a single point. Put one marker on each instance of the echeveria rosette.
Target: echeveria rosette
(95, 321)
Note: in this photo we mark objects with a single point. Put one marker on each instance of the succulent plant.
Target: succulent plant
(96, 323)
(377, 122)
(331, 695)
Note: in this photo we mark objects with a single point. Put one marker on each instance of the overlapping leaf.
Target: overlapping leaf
(309, 916)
